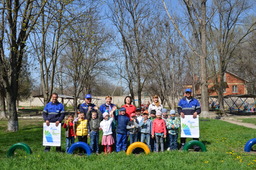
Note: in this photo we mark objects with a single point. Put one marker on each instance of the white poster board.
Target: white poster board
(189, 127)
(51, 135)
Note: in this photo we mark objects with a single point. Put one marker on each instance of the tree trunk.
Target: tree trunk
(13, 125)
(203, 69)
(2, 104)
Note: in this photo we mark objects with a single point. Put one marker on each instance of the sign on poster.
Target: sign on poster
(51, 135)
(189, 127)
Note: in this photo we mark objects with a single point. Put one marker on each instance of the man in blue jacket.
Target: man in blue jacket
(188, 106)
(53, 113)
(122, 122)
(87, 105)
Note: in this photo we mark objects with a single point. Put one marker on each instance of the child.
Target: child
(69, 133)
(94, 117)
(159, 131)
(152, 115)
(145, 128)
(81, 128)
(133, 126)
(122, 121)
(107, 138)
(139, 118)
(173, 125)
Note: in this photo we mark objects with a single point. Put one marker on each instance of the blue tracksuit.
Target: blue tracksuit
(105, 107)
(121, 141)
(84, 107)
(188, 108)
(54, 112)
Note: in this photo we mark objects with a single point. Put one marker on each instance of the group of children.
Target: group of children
(155, 129)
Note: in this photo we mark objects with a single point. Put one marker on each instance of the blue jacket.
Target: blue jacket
(103, 107)
(84, 107)
(122, 122)
(188, 108)
(145, 127)
(54, 112)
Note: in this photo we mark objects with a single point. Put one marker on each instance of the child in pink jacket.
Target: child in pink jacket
(159, 131)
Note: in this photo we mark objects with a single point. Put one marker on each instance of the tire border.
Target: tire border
(192, 143)
(23, 146)
(137, 145)
(83, 145)
(249, 144)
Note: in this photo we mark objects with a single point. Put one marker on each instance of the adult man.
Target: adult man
(88, 105)
(188, 105)
(53, 113)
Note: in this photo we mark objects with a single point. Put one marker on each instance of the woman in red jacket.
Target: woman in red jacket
(159, 131)
(128, 106)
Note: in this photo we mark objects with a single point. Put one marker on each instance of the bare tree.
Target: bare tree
(17, 20)
(196, 13)
(226, 36)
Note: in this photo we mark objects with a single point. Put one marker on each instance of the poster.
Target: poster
(189, 127)
(51, 135)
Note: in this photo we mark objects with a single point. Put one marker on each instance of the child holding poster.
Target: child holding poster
(69, 133)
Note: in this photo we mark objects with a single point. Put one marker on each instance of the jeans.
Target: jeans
(69, 142)
(159, 140)
(121, 142)
(145, 136)
(94, 141)
(173, 141)
(133, 138)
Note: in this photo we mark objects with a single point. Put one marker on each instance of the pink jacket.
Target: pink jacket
(158, 126)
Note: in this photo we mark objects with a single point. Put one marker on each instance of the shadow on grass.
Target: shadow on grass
(206, 142)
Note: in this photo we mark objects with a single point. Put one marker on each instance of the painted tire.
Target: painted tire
(23, 146)
(137, 145)
(249, 144)
(193, 143)
(83, 145)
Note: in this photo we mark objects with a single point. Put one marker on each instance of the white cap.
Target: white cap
(105, 114)
(172, 112)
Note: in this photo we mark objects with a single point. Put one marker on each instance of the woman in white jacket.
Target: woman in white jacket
(156, 105)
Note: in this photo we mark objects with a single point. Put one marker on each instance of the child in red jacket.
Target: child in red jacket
(159, 131)
(69, 133)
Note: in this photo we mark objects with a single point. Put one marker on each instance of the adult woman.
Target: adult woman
(128, 106)
(156, 105)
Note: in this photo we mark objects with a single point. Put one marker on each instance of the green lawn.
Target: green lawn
(224, 144)
(249, 120)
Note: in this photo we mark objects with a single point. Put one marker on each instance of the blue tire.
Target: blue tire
(249, 144)
(83, 145)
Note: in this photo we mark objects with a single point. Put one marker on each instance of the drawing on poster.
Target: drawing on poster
(190, 127)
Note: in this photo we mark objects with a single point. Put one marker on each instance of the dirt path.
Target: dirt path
(235, 120)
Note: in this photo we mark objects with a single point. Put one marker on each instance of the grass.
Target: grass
(224, 142)
(249, 120)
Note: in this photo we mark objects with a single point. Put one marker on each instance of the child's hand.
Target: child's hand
(153, 136)
(75, 137)
(173, 126)
(95, 108)
(164, 136)
(114, 108)
(88, 135)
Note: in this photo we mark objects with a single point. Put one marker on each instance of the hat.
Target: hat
(172, 112)
(145, 112)
(105, 114)
(158, 113)
(138, 109)
(188, 90)
(164, 110)
(88, 96)
(122, 109)
(153, 112)
(133, 114)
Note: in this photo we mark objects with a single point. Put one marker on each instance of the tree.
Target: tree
(227, 35)
(196, 14)
(17, 21)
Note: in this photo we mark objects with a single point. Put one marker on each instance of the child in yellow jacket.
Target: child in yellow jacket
(81, 128)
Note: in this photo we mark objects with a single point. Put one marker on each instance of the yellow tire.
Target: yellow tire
(137, 145)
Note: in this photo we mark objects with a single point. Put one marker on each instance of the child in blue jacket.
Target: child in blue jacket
(122, 122)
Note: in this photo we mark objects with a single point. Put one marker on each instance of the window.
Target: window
(234, 89)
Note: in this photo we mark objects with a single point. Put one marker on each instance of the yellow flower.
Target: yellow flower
(241, 160)
(254, 160)
(222, 161)
(206, 162)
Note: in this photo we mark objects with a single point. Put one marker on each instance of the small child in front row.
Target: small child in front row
(69, 133)
(81, 129)
(133, 127)
(107, 138)
(173, 124)
(94, 117)
(159, 131)
(145, 129)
